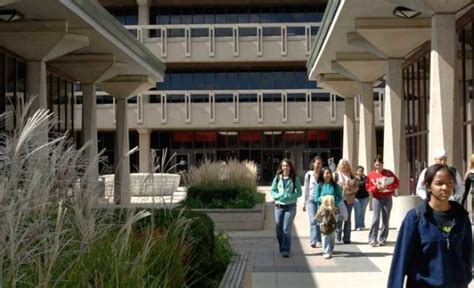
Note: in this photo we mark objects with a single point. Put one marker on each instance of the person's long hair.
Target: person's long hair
(321, 177)
(349, 168)
(292, 173)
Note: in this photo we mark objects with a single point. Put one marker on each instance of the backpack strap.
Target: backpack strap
(418, 212)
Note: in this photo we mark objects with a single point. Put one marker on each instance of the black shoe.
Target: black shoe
(338, 237)
(347, 242)
(285, 254)
(313, 245)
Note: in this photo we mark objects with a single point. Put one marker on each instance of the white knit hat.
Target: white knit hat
(440, 153)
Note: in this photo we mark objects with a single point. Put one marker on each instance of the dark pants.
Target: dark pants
(284, 215)
(344, 227)
(380, 206)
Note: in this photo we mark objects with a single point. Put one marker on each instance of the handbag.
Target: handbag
(341, 213)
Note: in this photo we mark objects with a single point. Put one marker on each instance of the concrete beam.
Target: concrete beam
(385, 34)
(6, 2)
(433, 6)
(40, 40)
(362, 67)
(338, 84)
(89, 68)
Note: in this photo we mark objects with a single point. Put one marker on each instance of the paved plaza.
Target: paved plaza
(353, 265)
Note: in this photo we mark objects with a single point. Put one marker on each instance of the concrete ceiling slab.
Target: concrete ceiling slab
(338, 84)
(40, 40)
(363, 67)
(89, 68)
(395, 38)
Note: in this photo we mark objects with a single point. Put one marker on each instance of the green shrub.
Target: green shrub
(222, 185)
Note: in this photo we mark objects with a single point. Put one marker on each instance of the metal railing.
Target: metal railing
(235, 32)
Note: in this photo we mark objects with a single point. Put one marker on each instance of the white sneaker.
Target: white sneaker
(327, 256)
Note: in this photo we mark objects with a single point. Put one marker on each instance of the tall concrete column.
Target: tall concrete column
(122, 87)
(37, 84)
(122, 159)
(442, 85)
(366, 126)
(144, 15)
(394, 153)
(89, 125)
(144, 150)
(348, 151)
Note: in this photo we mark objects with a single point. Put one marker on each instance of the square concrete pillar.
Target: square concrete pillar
(366, 126)
(442, 85)
(348, 142)
(122, 160)
(144, 150)
(394, 147)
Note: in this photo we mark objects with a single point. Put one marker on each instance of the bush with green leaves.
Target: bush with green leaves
(222, 185)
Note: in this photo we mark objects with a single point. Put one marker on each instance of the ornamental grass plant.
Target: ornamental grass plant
(53, 233)
(231, 184)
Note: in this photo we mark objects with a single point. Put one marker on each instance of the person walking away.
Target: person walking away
(310, 181)
(362, 199)
(346, 180)
(434, 242)
(326, 186)
(468, 181)
(381, 183)
(285, 189)
(441, 157)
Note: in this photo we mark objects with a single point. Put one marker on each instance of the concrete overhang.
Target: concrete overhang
(106, 35)
(339, 24)
(394, 38)
(89, 68)
(359, 66)
(338, 84)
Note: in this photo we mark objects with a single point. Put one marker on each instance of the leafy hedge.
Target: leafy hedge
(223, 185)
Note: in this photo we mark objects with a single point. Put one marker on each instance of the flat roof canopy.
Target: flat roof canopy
(88, 18)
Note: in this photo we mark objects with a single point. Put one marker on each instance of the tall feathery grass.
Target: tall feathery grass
(231, 184)
(53, 234)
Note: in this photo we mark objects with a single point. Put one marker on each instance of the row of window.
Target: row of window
(234, 80)
(210, 15)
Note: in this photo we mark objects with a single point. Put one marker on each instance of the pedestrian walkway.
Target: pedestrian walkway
(353, 265)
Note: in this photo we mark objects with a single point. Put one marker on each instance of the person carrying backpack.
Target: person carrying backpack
(434, 242)
(327, 187)
(285, 189)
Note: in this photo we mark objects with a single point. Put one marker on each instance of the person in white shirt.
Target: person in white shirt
(310, 182)
(441, 157)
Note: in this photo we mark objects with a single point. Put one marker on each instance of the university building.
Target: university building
(235, 86)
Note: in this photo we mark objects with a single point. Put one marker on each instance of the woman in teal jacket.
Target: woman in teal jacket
(286, 188)
(326, 186)
(435, 240)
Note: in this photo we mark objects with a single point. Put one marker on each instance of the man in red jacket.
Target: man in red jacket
(381, 183)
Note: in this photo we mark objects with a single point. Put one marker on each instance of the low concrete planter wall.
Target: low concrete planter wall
(237, 219)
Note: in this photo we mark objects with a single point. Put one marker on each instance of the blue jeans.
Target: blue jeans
(328, 243)
(314, 231)
(384, 206)
(284, 216)
(345, 231)
(360, 206)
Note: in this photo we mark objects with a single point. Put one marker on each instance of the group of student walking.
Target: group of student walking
(433, 239)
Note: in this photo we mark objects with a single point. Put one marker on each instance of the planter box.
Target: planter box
(237, 219)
